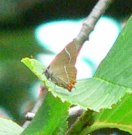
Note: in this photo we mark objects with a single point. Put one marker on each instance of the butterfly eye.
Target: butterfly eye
(47, 74)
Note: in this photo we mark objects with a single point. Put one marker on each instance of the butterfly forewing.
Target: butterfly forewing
(66, 56)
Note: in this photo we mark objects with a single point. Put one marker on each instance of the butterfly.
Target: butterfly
(62, 70)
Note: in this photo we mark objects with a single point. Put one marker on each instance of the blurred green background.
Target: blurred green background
(18, 20)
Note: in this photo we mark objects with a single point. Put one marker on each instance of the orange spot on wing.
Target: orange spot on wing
(71, 84)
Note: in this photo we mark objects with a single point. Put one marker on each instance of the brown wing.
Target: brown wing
(62, 69)
(66, 56)
(64, 75)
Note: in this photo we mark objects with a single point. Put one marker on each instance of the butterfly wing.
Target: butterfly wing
(67, 56)
(62, 70)
(64, 75)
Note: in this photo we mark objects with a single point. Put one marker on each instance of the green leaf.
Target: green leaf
(117, 66)
(110, 83)
(120, 116)
(87, 93)
(8, 127)
(50, 118)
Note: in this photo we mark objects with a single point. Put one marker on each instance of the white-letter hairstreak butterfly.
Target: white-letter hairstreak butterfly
(62, 70)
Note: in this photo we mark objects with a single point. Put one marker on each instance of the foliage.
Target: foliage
(50, 119)
(110, 87)
(8, 127)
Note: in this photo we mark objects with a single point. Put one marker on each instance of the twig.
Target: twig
(91, 20)
(30, 115)
(85, 119)
(74, 113)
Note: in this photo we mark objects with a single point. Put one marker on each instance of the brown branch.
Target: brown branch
(91, 20)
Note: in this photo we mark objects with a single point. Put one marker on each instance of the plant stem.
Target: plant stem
(84, 121)
(91, 20)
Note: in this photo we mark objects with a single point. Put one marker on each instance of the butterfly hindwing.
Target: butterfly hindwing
(64, 75)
